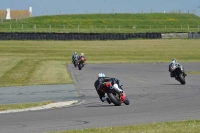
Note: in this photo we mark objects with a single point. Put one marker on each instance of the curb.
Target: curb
(48, 106)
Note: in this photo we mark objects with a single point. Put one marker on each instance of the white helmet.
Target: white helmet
(82, 54)
(101, 75)
(174, 61)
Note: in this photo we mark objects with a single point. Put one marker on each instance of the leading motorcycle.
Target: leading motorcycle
(178, 73)
(81, 63)
(115, 93)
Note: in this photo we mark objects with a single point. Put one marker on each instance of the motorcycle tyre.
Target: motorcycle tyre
(75, 64)
(182, 79)
(80, 66)
(127, 102)
(112, 98)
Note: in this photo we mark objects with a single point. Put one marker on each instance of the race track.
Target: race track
(153, 95)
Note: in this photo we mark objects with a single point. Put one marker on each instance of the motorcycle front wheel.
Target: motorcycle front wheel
(75, 63)
(127, 102)
(113, 99)
(182, 79)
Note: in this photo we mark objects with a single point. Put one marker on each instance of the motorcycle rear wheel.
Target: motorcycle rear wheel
(113, 99)
(80, 66)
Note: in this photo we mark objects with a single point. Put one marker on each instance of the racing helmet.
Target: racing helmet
(75, 52)
(82, 54)
(101, 75)
(174, 61)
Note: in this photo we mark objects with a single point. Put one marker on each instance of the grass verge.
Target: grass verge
(190, 126)
(4, 107)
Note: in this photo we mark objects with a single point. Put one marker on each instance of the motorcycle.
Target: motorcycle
(75, 62)
(115, 93)
(178, 73)
(81, 63)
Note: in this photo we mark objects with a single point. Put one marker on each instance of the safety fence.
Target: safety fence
(93, 36)
(83, 28)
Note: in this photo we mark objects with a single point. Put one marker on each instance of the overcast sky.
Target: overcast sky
(54, 7)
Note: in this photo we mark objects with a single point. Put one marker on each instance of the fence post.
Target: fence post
(134, 27)
(35, 27)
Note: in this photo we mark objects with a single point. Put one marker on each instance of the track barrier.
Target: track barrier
(94, 36)
(77, 36)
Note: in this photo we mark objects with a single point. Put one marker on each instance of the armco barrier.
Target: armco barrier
(194, 35)
(174, 35)
(77, 36)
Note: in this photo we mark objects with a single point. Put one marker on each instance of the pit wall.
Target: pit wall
(94, 36)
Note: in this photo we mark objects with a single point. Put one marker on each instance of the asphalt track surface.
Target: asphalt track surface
(38, 93)
(153, 95)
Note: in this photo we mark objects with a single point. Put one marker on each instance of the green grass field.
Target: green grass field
(105, 23)
(45, 62)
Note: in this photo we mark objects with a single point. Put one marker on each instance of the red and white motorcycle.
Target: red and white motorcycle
(115, 93)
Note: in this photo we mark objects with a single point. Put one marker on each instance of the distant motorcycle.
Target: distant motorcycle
(75, 62)
(81, 63)
(115, 93)
(178, 73)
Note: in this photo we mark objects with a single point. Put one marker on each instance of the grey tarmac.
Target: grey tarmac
(37, 93)
(153, 95)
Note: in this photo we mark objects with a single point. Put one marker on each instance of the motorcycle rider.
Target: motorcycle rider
(82, 55)
(75, 57)
(99, 83)
(174, 61)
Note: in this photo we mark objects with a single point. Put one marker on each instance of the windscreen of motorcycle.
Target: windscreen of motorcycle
(172, 67)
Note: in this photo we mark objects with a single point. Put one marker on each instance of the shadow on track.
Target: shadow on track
(101, 106)
(171, 84)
